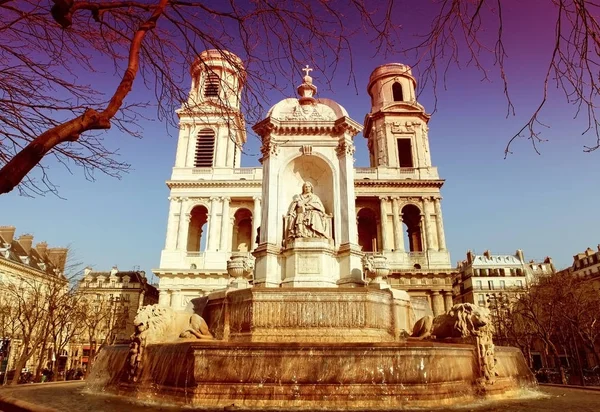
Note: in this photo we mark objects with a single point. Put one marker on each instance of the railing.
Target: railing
(416, 254)
(202, 170)
(195, 254)
(365, 170)
(407, 170)
(244, 171)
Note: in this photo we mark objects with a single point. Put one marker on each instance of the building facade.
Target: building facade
(586, 266)
(486, 279)
(216, 206)
(33, 273)
(112, 300)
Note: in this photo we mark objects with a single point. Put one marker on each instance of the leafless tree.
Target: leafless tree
(31, 300)
(459, 35)
(53, 54)
(100, 320)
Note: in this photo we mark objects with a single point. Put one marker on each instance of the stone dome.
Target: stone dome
(319, 109)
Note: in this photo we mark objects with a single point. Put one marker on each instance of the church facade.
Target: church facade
(217, 208)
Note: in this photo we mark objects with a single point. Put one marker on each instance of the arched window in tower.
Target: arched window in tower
(367, 230)
(197, 227)
(205, 148)
(211, 87)
(411, 216)
(241, 239)
(397, 92)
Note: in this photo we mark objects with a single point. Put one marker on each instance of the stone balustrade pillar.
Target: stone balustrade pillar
(213, 233)
(440, 225)
(225, 229)
(437, 303)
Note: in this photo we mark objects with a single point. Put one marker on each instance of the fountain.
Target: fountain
(310, 320)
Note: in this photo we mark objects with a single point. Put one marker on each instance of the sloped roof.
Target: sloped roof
(15, 253)
(496, 260)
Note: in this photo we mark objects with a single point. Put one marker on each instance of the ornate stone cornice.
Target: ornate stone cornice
(171, 184)
(399, 183)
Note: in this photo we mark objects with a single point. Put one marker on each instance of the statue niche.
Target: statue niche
(306, 217)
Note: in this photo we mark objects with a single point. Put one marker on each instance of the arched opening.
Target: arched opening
(198, 219)
(397, 92)
(242, 231)
(205, 148)
(411, 216)
(367, 230)
(211, 87)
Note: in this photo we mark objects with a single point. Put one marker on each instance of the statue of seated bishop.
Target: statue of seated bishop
(306, 217)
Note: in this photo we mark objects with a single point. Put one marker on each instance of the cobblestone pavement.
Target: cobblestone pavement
(72, 398)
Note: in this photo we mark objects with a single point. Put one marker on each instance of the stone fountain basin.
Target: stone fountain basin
(292, 375)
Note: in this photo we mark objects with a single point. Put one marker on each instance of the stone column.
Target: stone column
(212, 243)
(398, 236)
(256, 215)
(176, 299)
(225, 229)
(427, 225)
(182, 145)
(440, 225)
(191, 148)
(448, 303)
(184, 226)
(172, 223)
(437, 303)
(163, 298)
(383, 218)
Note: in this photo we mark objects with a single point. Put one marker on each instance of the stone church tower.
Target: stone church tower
(216, 207)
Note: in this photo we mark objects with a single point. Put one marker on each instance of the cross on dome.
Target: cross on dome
(307, 70)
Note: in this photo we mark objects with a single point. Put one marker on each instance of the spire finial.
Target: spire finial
(307, 70)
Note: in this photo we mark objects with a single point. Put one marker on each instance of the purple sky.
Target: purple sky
(545, 205)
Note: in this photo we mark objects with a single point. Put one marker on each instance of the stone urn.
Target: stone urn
(240, 267)
(376, 270)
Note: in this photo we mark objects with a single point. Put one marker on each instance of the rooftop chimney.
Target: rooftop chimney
(58, 257)
(87, 271)
(114, 270)
(487, 254)
(41, 249)
(26, 241)
(520, 255)
(7, 233)
(469, 256)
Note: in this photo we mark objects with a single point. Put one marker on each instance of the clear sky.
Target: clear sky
(544, 204)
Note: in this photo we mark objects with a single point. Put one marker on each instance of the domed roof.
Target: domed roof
(320, 109)
(307, 107)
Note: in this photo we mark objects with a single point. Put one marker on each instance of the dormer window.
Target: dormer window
(397, 92)
(211, 88)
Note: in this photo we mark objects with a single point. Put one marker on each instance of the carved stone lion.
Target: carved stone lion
(155, 324)
(163, 324)
(463, 320)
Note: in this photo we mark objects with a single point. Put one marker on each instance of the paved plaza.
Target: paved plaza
(73, 398)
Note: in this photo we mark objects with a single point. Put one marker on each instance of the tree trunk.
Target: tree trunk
(39, 368)
(19, 366)
(563, 376)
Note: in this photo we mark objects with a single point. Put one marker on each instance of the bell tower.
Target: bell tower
(212, 128)
(396, 128)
